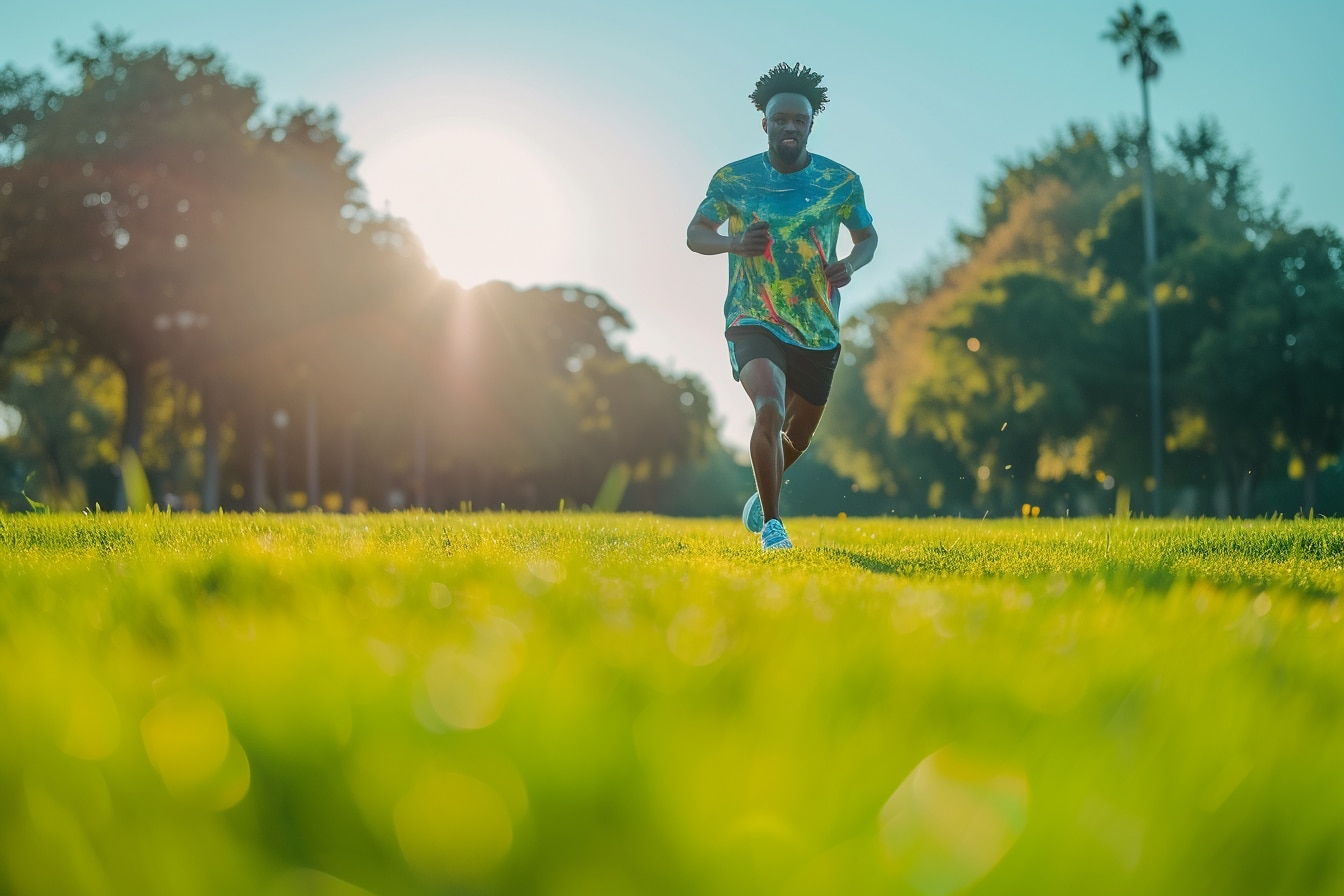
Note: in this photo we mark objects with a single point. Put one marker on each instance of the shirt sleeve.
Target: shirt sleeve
(715, 206)
(854, 213)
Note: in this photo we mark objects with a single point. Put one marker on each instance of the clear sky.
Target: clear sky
(540, 141)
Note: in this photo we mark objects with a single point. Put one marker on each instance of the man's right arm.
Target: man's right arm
(702, 236)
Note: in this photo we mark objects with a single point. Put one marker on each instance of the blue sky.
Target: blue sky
(604, 119)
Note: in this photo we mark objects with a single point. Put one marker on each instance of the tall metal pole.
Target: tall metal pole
(1149, 277)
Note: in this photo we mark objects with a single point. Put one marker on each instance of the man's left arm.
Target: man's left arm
(841, 271)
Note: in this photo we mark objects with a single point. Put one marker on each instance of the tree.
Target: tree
(529, 396)
(1307, 268)
(1141, 40)
(108, 197)
(225, 261)
(297, 255)
(888, 436)
(1265, 370)
(1227, 384)
(153, 213)
(1052, 290)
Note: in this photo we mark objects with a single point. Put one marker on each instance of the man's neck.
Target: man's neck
(784, 167)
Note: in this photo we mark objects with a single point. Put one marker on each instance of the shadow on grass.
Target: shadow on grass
(871, 564)
(1157, 578)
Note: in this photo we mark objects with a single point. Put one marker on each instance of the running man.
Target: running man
(784, 208)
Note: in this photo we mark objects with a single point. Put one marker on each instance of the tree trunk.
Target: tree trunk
(135, 374)
(1244, 482)
(1222, 498)
(347, 466)
(210, 418)
(1310, 471)
(420, 474)
(56, 495)
(258, 497)
(314, 479)
(282, 468)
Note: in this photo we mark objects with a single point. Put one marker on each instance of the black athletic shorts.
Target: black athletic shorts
(807, 371)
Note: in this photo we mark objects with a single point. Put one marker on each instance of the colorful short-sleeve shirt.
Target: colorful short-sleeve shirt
(785, 290)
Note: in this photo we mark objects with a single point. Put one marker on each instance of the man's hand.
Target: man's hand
(839, 273)
(754, 241)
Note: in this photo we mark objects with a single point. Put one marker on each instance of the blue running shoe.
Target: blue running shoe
(773, 537)
(752, 516)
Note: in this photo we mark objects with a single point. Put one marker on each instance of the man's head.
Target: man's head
(788, 98)
(787, 124)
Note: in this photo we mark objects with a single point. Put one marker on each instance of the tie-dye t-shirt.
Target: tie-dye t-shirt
(785, 290)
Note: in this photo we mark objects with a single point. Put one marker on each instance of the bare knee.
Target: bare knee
(769, 413)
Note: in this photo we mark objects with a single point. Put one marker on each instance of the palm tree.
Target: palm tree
(1141, 40)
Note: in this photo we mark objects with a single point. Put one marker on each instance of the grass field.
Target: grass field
(575, 705)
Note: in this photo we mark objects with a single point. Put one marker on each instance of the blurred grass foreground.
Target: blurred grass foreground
(588, 704)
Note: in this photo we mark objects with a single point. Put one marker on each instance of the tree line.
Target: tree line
(197, 287)
(1036, 323)
(1015, 375)
(194, 285)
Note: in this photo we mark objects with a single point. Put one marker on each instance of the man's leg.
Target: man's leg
(764, 383)
(800, 422)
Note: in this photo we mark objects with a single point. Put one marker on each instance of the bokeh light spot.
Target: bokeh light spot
(696, 636)
(468, 686)
(952, 819)
(452, 828)
(93, 726)
(187, 739)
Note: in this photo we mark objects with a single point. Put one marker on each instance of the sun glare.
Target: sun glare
(485, 204)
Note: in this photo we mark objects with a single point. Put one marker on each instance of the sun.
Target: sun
(485, 203)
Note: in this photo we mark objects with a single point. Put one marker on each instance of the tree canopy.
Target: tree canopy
(161, 227)
(1015, 374)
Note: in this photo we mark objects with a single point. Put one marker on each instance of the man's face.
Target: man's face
(788, 121)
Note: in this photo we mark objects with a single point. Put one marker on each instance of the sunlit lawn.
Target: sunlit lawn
(582, 704)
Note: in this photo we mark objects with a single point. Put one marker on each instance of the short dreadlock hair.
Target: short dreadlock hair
(785, 79)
